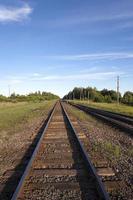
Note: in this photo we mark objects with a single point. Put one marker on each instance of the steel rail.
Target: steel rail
(100, 187)
(102, 192)
(116, 116)
(124, 126)
(21, 182)
(119, 114)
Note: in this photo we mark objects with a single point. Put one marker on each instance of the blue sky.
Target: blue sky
(55, 45)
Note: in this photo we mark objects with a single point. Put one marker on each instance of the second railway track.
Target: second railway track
(59, 168)
(120, 121)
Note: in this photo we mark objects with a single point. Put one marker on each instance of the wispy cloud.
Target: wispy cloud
(14, 14)
(89, 76)
(35, 75)
(94, 56)
(114, 17)
(15, 80)
(89, 18)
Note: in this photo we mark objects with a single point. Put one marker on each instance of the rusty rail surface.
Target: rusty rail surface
(59, 167)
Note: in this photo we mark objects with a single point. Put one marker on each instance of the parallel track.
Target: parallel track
(60, 168)
(120, 121)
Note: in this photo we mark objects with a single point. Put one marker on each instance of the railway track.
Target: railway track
(59, 168)
(120, 121)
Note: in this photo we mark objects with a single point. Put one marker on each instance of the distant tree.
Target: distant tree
(108, 99)
(128, 98)
(104, 92)
(3, 98)
(104, 95)
(35, 97)
(13, 96)
(99, 97)
(112, 95)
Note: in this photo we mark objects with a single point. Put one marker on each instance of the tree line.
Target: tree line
(35, 97)
(105, 95)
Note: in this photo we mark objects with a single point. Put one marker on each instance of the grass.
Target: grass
(112, 149)
(79, 114)
(130, 151)
(14, 115)
(113, 107)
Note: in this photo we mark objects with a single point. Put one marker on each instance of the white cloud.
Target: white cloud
(17, 80)
(28, 83)
(35, 74)
(111, 17)
(14, 14)
(80, 76)
(94, 56)
(89, 18)
(36, 79)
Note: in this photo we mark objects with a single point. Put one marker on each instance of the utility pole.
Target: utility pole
(9, 90)
(73, 95)
(82, 97)
(118, 87)
(88, 96)
(84, 94)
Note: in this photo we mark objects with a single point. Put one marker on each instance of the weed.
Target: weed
(112, 149)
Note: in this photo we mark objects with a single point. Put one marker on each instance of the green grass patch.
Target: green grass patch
(113, 107)
(14, 115)
(130, 151)
(81, 115)
(112, 149)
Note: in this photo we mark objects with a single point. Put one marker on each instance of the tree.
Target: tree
(3, 98)
(108, 99)
(98, 97)
(128, 98)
